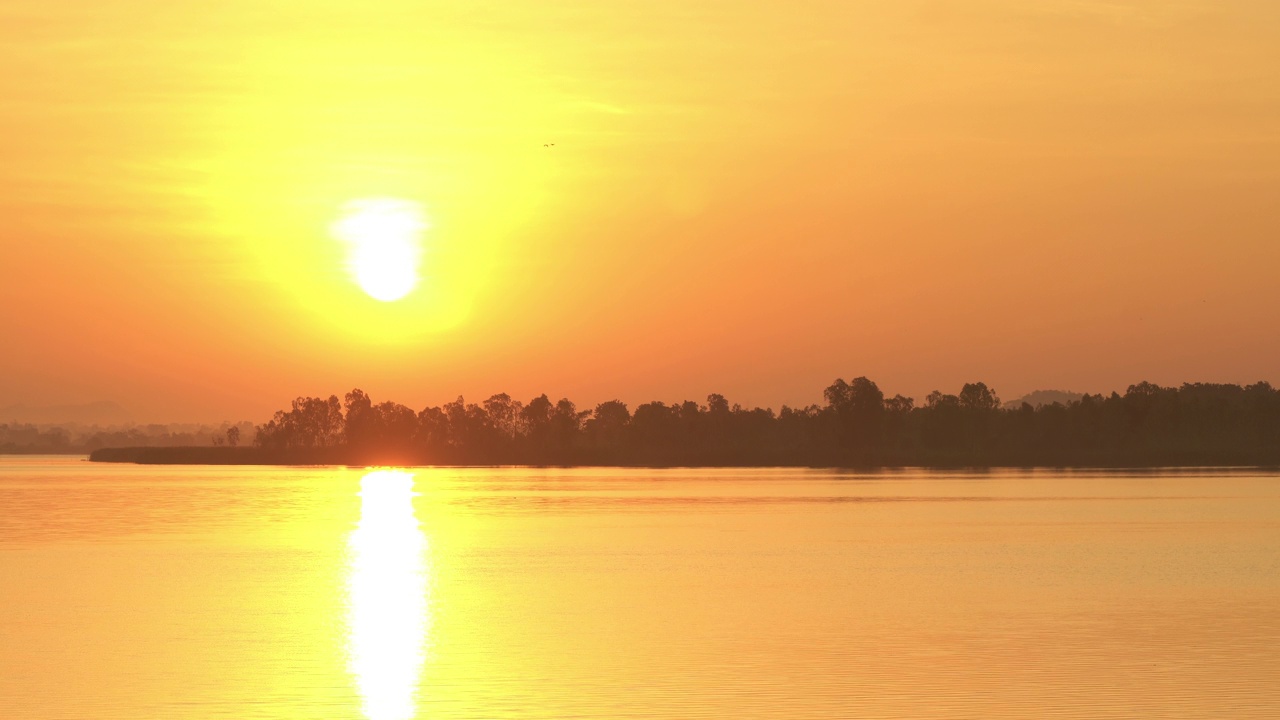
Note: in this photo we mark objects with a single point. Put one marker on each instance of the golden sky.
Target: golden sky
(750, 198)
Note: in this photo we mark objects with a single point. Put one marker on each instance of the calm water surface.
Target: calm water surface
(131, 592)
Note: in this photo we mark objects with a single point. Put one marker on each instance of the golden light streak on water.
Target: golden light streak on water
(389, 615)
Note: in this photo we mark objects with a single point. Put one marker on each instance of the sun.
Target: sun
(384, 239)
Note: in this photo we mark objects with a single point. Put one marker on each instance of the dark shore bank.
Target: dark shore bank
(220, 456)
(347, 457)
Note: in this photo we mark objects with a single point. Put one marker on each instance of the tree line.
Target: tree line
(73, 438)
(855, 426)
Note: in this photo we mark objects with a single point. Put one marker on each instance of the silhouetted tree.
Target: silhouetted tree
(858, 410)
(361, 428)
(606, 428)
(977, 396)
(309, 423)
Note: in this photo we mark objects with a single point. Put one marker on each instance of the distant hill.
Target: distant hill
(103, 412)
(1045, 397)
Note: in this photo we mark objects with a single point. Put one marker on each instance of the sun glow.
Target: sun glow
(384, 236)
(389, 613)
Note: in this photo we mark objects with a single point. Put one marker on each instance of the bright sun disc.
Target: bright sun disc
(384, 237)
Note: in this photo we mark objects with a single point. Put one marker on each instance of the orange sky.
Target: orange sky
(749, 198)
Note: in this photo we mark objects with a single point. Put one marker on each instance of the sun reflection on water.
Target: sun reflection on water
(388, 612)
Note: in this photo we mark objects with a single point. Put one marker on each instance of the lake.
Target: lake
(135, 592)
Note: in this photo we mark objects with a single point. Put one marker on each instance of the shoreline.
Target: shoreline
(342, 457)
